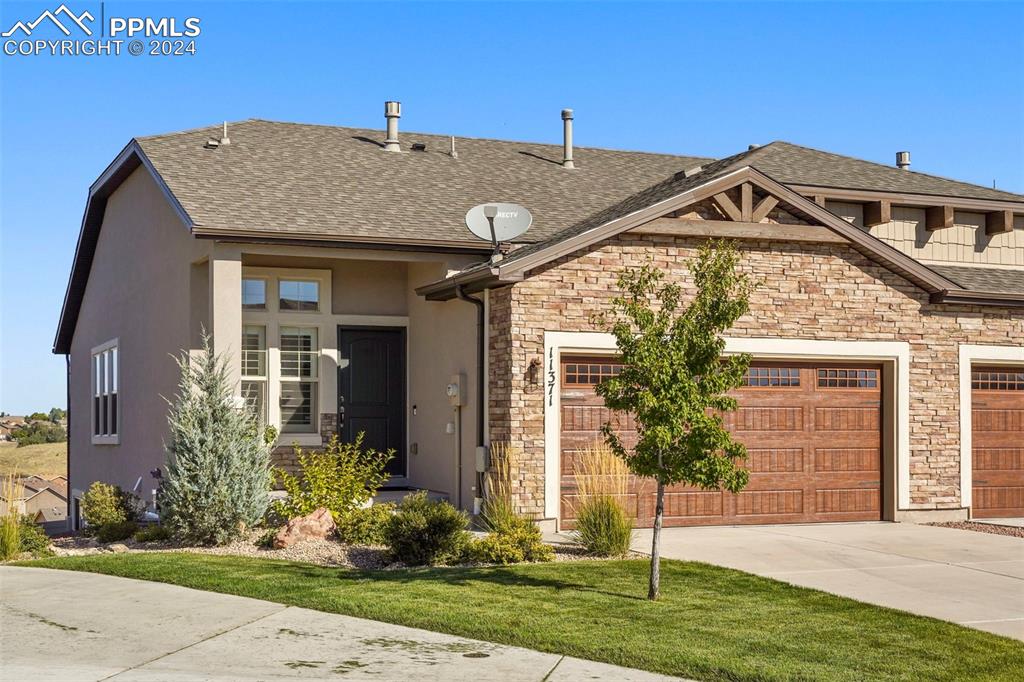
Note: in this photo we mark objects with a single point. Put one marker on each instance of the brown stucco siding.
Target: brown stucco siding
(139, 293)
(807, 291)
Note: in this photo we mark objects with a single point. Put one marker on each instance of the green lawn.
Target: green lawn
(712, 623)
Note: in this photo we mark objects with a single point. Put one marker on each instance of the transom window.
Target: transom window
(847, 378)
(254, 294)
(300, 359)
(299, 295)
(590, 373)
(772, 376)
(105, 382)
(997, 380)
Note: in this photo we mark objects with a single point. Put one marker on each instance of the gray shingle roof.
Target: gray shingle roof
(338, 182)
(792, 164)
(997, 280)
(296, 178)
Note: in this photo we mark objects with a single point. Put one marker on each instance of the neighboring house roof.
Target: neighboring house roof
(302, 183)
(51, 514)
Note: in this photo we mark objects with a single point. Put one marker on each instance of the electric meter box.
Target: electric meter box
(456, 390)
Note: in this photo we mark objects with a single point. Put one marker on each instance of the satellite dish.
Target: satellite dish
(498, 222)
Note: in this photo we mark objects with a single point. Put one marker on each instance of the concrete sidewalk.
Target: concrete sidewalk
(971, 578)
(63, 625)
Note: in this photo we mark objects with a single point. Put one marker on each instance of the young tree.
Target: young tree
(675, 378)
(218, 462)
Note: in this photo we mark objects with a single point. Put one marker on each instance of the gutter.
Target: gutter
(480, 403)
(986, 298)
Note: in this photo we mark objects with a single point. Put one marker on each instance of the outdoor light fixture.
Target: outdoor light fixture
(533, 373)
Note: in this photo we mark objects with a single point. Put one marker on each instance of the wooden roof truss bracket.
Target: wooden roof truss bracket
(938, 218)
(998, 222)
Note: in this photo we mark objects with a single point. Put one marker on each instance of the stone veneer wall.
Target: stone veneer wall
(808, 291)
(284, 456)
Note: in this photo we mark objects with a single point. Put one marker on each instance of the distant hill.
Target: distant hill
(45, 459)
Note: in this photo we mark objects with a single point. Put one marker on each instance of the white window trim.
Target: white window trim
(969, 356)
(272, 319)
(897, 352)
(114, 439)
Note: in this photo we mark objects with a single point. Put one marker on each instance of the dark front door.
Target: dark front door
(371, 389)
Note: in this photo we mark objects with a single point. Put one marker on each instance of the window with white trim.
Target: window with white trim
(300, 359)
(254, 369)
(105, 383)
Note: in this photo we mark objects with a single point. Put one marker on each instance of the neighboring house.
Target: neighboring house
(334, 270)
(40, 495)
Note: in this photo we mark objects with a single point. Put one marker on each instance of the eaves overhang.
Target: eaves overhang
(123, 165)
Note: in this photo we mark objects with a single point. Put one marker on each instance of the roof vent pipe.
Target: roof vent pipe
(567, 139)
(903, 160)
(392, 112)
(224, 139)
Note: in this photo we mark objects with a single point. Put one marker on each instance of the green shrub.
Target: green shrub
(32, 538)
(39, 432)
(266, 540)
(340, 478)
(114, 532)
(425, 532)
(104, 504)
(365, 525)
(603, 527)
(519, 541)
(153, 532)
(218, 476)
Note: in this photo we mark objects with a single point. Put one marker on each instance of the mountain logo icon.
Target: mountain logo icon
(78, 20)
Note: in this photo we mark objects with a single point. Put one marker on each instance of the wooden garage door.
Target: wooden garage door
(813, 433)
(997, 441)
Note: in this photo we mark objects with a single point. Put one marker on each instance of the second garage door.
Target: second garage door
(997, 450)
(812, 431)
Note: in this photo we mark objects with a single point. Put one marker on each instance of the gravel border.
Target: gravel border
(328, 552)
(992, 528)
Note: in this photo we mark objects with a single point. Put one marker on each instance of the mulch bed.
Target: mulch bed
(1012, 531)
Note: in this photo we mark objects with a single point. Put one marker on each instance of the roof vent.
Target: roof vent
(224, 139)
(690, 172)
(567, 139)
(903, 160)
(419, 146)
(451, 151)
(392, 112)
(752, 147)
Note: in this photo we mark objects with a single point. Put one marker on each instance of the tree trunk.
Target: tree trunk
(654, 589)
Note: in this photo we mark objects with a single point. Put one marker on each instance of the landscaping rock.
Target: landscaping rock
(316, 526)
(118, 547)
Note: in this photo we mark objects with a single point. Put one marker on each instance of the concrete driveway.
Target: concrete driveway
(970, 578)
(61, 625)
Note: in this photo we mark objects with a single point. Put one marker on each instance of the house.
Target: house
(335, 272)
(38, 494)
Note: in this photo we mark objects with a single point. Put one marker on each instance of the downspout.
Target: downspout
(67, 418)
(480, 405)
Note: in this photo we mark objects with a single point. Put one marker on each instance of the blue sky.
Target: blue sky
(945, 81)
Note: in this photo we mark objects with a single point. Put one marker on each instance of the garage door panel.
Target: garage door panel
(847, 459)
(830, 419)
(775, 460)
(813, 438)
(997, 426)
